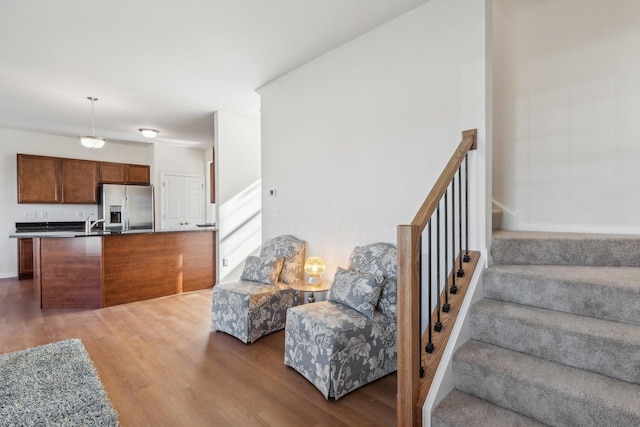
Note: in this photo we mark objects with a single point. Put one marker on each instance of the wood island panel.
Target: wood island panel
(70, 272)
(150, 265)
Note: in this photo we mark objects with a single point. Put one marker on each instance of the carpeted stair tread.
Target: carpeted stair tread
(602, 346)
(459, 409)
(530, 247)
(610, 293)
(546, 391)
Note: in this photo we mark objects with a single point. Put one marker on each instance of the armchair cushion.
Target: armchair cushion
(262, 269)
(292, 250)
(388, 301)
(379, 259)
(357, 290)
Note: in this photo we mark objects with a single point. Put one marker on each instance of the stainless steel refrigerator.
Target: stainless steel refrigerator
(126, 207)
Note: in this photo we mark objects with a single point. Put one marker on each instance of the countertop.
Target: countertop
(59, 234)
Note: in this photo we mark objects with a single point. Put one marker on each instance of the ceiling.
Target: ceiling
(162, 64)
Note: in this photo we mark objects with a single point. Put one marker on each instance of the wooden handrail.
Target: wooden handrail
(409, 334)
(469, 142)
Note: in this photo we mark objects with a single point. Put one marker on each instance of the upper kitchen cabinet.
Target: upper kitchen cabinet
(138, 174)
(44, 179)
(121, 173)
(113, 173)
(38, 179)
(79, 181)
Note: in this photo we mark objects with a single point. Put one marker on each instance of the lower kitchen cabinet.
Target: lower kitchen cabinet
(25, 259)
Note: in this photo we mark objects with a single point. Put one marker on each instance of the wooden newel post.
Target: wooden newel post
(409, 336)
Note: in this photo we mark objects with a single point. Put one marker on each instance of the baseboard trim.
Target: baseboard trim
(580, 228)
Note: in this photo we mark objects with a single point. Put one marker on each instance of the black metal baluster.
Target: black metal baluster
(460, 269)
(429, 347)
(420, 305)
(453, 289)
(438, 325)
(466, 258)
(446, 306)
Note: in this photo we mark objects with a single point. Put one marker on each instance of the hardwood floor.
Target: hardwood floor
(162, 366)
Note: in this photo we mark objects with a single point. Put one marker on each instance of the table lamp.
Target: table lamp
(314, 268)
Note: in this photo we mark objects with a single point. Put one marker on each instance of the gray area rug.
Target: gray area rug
(53, 385)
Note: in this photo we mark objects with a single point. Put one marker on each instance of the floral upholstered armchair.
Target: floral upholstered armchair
(257, 304)
(350, 339)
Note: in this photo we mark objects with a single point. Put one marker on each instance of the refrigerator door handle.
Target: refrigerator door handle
(125, 219)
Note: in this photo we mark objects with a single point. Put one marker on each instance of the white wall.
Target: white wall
(354, 140)
(238, 169)
(567, 98)
(13, 142)
(238, 148)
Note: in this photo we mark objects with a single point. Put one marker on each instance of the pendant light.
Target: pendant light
(92, 141)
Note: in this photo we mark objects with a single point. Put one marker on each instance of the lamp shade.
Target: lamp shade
(92, 141)
(149, 133)
(314, 267)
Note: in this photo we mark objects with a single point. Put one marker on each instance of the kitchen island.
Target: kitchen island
(101, 269)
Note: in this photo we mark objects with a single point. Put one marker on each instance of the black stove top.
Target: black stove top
(30, 227)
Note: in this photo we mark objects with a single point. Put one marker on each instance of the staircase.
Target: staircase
(556, 339)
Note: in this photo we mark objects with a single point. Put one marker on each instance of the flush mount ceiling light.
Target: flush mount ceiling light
(149, 133)
(92, 141)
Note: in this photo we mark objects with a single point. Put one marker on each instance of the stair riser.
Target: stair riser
(586, 299)
(460, 409)
(560, 251)
(496, 220)
(530, 388)
(559, 340)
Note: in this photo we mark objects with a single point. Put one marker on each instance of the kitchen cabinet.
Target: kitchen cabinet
(113, 173)
(138, 174)
(122, 173)
(43, 179)
(38, 179)
(79, 181)
(25, 259)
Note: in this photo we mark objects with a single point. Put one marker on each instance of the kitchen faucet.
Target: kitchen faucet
(88, 225)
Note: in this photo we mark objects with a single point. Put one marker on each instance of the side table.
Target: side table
(302, 286)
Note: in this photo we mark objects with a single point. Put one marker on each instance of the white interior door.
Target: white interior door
(195, 201)
(183, 201)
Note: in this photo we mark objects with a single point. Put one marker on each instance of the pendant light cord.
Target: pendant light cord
(93, 120)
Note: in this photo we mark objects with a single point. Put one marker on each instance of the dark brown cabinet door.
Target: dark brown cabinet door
(113, 173)
(138, 174)
(38, 179)
(25, 258)
(79, 181)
